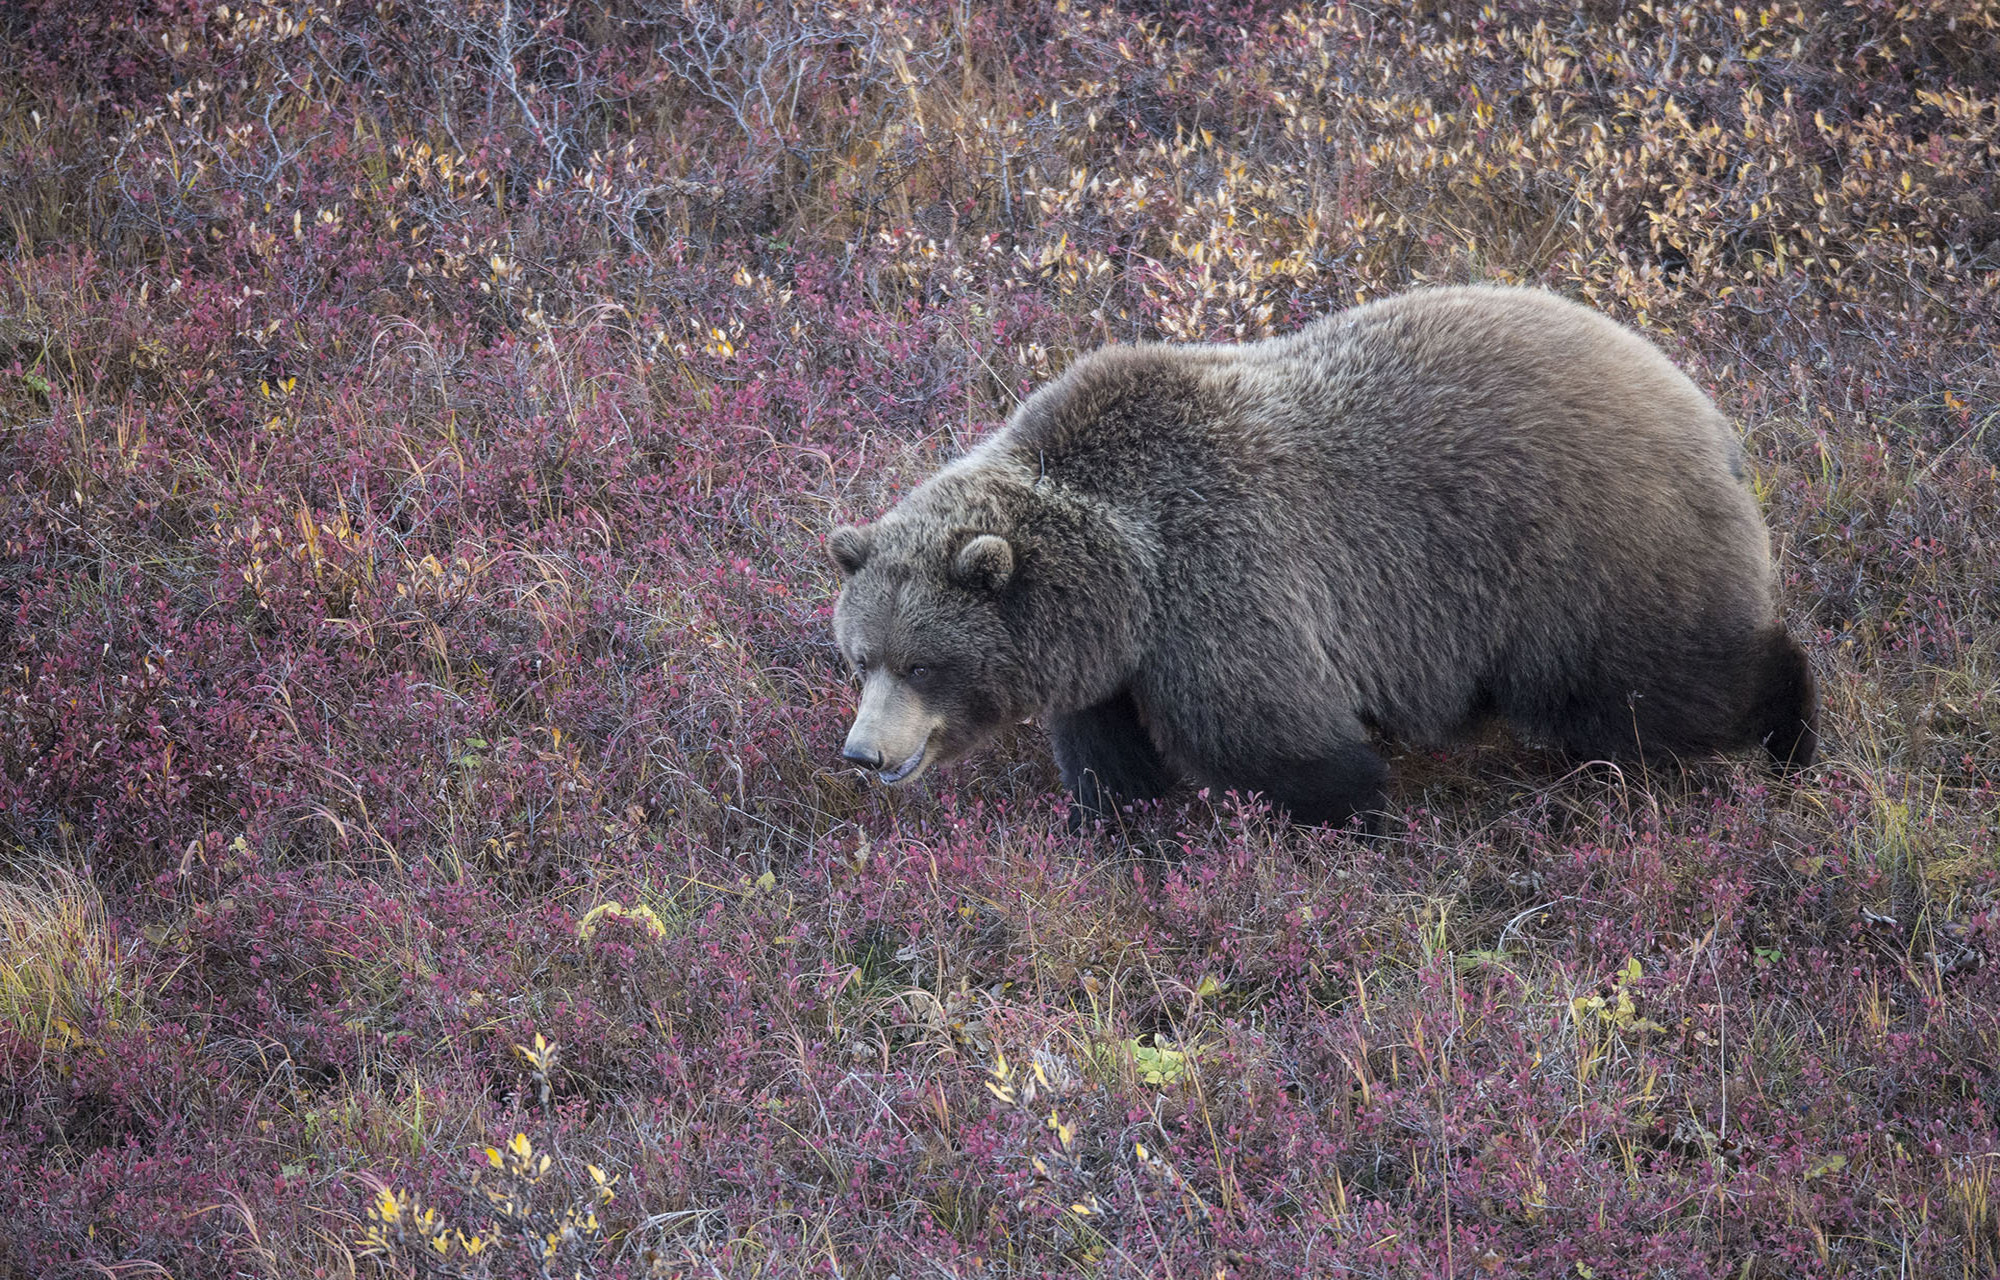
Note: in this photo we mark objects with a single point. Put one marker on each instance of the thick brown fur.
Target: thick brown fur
(1235, 564)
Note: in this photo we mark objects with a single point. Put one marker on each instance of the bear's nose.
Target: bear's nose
(865, 758)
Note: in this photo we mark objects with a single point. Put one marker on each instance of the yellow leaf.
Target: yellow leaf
(1832, 1164)
(1065, 1133)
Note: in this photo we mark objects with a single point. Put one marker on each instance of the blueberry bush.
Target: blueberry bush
(423, 848)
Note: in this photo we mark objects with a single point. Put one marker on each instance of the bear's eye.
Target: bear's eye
(919, 674)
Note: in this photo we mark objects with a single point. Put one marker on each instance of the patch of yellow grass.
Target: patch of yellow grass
(60, 964)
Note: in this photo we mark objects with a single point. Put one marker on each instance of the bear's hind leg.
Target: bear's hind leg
(1700, 695)
(1784, 716)
(1107, 758)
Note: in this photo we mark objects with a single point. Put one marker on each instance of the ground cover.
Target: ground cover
(423, 851)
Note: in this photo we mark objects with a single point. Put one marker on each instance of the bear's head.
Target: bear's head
(972, 605)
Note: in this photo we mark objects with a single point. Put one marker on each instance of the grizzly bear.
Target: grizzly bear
(1241, 565)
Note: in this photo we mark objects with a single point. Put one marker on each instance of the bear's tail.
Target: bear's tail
(1784, 712)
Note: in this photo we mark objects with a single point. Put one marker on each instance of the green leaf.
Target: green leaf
(1157, 1066)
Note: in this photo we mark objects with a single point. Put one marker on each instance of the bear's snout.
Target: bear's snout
(893, 730)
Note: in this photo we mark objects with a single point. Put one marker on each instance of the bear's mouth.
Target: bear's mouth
(907, 770)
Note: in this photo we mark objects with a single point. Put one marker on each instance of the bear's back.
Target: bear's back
(1466, 377)
(1457, 367)
(1450, 481)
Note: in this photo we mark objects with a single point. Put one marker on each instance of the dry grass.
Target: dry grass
(417, 721)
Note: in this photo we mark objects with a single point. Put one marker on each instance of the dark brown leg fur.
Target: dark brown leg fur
(1724, 693)
(1107, 758)
(1344, 782)
(1785, 716)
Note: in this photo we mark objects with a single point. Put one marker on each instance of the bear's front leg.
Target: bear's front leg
(1107, 758)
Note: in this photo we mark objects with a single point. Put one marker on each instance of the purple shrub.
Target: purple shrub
(424, 854)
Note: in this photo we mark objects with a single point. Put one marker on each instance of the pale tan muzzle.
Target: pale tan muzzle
(893, 730)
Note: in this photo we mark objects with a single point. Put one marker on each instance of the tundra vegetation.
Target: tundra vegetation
(424, 851)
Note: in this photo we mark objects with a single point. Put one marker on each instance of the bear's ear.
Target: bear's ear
(849, 546)
(984, 563)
